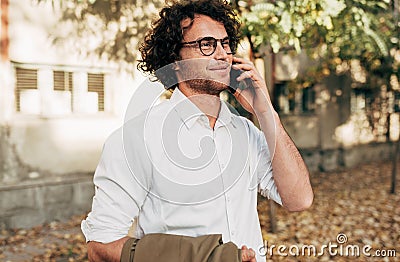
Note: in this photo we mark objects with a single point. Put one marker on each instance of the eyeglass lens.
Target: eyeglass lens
(209, 44)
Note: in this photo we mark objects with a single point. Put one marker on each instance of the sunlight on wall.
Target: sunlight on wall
(30, 102)
(371, 120)
(287, 67)
(6, 92)
(60, 103)
(394, 82)
(91, 100)
(357, 72)
(394, 127)
(356, 130)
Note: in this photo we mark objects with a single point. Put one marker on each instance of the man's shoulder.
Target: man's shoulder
(150, 115)
(133, 129)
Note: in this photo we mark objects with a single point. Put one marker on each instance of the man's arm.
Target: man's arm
(110, 252)
(118, 197)
(290, 172)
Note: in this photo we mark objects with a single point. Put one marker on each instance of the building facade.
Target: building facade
(58, 107)
(56, 110)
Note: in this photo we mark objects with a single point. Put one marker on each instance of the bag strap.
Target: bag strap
(128, 250)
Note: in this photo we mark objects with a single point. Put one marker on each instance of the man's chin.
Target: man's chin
(206, 86)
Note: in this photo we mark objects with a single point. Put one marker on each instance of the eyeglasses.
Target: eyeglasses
(207, 45)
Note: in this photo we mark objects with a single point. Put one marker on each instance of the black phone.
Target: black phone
(234, 84)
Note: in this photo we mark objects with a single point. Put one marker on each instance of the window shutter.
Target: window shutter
(26, 79)
(63, 82)
(96, 84)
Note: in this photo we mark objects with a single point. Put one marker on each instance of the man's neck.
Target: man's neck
(210, 105)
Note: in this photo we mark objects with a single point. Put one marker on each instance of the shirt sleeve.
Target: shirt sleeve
(265, 178)
(119, 193)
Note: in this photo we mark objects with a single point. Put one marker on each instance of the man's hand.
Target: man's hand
(255, 99)
(290, 172)
(110, 252)
(248, 254)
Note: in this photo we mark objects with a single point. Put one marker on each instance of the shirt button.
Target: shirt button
(233, 233)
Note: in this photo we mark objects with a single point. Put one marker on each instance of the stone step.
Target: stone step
(33, 202)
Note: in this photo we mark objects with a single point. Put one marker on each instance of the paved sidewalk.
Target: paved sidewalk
(353, 204)
(51, 242)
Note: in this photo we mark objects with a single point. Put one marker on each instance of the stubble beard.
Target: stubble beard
(206, 86)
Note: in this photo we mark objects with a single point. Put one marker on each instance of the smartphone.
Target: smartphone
(234, 84)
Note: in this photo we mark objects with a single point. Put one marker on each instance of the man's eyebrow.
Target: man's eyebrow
(202, 37)
(197, 39)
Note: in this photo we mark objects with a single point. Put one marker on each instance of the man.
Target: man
(189, 166)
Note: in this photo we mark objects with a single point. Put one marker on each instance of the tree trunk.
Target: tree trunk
(272, 216)
(394, 166)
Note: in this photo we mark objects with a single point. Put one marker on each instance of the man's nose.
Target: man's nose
(220, 52)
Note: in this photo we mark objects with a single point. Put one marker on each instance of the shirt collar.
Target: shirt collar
(190, 113)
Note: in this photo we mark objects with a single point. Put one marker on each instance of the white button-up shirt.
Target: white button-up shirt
(169, 169)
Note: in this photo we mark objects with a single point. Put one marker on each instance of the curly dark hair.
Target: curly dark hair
(161, 44)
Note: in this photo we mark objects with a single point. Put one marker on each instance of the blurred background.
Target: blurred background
(68, 71)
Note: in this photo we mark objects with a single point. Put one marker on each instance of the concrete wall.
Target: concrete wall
(303, 129)
(35, 147)
(316, 134)
(367, 153)
(44, 200)
(322, 152)
(47, 159)
(46, 143)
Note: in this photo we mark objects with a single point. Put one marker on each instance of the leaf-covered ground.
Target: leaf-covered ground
(351, 206)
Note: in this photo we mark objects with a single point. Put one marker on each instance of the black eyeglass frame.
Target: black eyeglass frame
(208, 38)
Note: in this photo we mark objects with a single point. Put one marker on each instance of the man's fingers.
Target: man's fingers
(246, 74)
(248, 254)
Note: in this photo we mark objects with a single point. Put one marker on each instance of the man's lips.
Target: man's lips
(218, 68)
(219, 71)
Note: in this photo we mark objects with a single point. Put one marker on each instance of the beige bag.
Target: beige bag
(176, 248)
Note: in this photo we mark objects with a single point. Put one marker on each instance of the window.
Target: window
(289, 100)
(96, 86)
(62, 81)
(27, 97)
(58, 90)
(63, 91)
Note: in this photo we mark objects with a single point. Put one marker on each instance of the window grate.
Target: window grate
(63, 82)
(64, 97)
(96, 84)
(26, 79)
